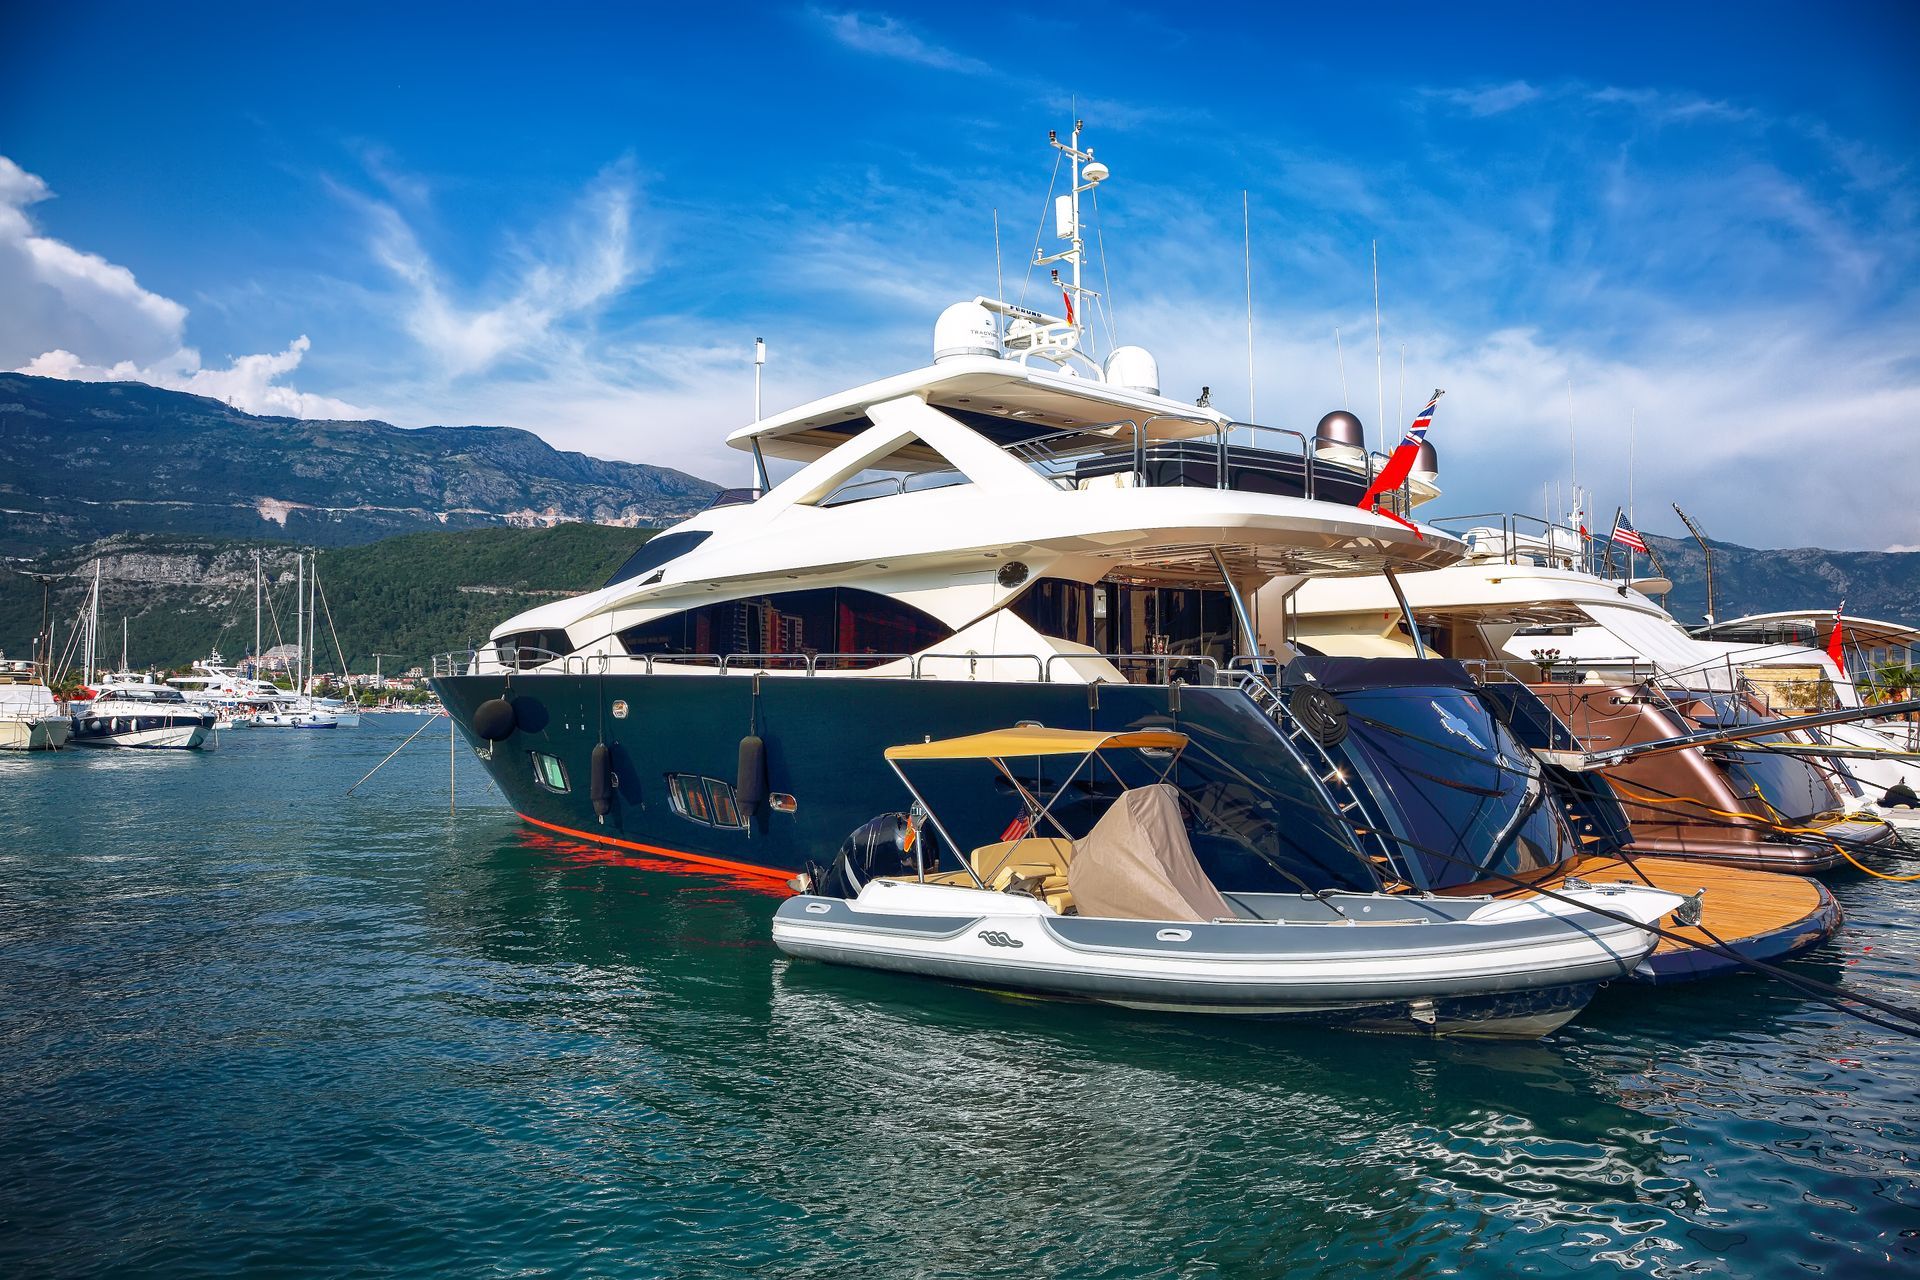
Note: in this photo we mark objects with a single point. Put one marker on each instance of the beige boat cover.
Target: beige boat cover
(1136, 864)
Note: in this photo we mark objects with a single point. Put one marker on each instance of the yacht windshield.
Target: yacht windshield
(656, 551)
(1790, 785)
(1457, 787)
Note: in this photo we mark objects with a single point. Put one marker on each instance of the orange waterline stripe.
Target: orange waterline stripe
(678, 855)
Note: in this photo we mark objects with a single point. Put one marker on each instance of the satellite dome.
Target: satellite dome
(1339, 437)
(1135, 369)
(1426, 463)
(965, 329)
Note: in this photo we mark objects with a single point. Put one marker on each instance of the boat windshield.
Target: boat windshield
(1790, 785)
(147, 693)
(1456, 786)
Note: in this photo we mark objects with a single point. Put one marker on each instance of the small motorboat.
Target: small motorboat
(1126, 915)
(143, 715)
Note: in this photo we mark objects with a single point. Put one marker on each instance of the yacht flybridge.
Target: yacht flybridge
(1023, 529)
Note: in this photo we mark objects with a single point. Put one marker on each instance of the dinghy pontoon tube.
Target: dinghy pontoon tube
(1126, 915)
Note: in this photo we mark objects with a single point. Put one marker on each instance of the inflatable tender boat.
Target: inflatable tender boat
(1126, 915)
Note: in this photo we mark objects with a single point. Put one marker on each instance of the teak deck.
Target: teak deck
(1738, 904)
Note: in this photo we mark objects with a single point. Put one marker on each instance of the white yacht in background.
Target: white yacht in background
(1526, 604)
(143, 714)
(1786, 656)
(30, 718)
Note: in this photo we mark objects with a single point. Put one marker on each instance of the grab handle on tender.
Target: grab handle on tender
(1174, 935)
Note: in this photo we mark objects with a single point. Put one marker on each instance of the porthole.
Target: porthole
(549, 772)
(707, 801)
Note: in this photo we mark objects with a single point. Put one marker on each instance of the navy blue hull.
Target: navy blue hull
(824, 743)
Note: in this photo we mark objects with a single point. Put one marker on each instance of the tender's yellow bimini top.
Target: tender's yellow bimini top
(1030, 741)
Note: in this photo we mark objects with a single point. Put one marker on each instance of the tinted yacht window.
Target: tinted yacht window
(827, 620)
(1454, 783)
(655, 552)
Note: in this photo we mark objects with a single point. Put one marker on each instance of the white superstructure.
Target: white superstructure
(939, 496)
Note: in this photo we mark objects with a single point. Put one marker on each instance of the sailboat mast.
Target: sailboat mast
(123, 642)
(256, 613)
(299, 618)
(93, 622)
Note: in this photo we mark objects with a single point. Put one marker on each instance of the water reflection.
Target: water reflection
(301, 1032)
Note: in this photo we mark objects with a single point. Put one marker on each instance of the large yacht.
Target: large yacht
(1024, 530)
(30, 718)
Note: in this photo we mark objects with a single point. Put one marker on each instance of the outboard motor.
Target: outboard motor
(876, 848)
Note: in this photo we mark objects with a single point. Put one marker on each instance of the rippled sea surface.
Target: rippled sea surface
(248, 1025)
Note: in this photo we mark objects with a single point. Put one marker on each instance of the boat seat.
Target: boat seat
(1034, 851)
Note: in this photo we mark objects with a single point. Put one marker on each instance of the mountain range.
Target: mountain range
(175, 493)
(84, 460)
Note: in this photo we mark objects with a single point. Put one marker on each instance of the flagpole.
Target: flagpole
(1633, 427)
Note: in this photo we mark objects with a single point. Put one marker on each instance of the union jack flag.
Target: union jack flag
(1624, 534)
(1417, 433)
(1400, 465)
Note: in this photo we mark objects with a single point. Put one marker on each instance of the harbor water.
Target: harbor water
(249, 1025)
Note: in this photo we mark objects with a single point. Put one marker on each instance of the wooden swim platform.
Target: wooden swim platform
(1760, 914)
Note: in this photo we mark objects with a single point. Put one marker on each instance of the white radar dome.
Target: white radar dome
(964, 329)
(1135, 369)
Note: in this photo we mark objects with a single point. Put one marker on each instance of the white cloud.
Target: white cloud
(555, 284)
(887, 37)
(248, 383)
(57, 295)
(1489, 100)
(72, 314)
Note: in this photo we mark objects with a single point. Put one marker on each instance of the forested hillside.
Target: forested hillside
(408, 597)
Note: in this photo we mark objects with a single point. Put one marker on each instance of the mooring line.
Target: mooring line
(397, 750)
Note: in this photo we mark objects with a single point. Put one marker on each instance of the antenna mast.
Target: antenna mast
(1705, 550)
(1341, 355)
(1246, 225)
(1067, 224)
(1379, 367)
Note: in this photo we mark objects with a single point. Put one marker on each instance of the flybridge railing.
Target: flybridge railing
(1170, 667)
(1525, 539)
(1220, 455)
(1212, 459)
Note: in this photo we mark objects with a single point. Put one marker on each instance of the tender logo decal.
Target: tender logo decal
(1459, 728)
(619, 708)
(995, 938)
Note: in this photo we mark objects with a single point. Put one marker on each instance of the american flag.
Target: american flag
(1623, 533)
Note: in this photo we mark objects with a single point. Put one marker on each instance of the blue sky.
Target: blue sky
(576, 219)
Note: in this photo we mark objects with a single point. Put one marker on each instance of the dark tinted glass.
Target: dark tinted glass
(1455, 784)
(827, 620)
(656, 551)
(1058, 608)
